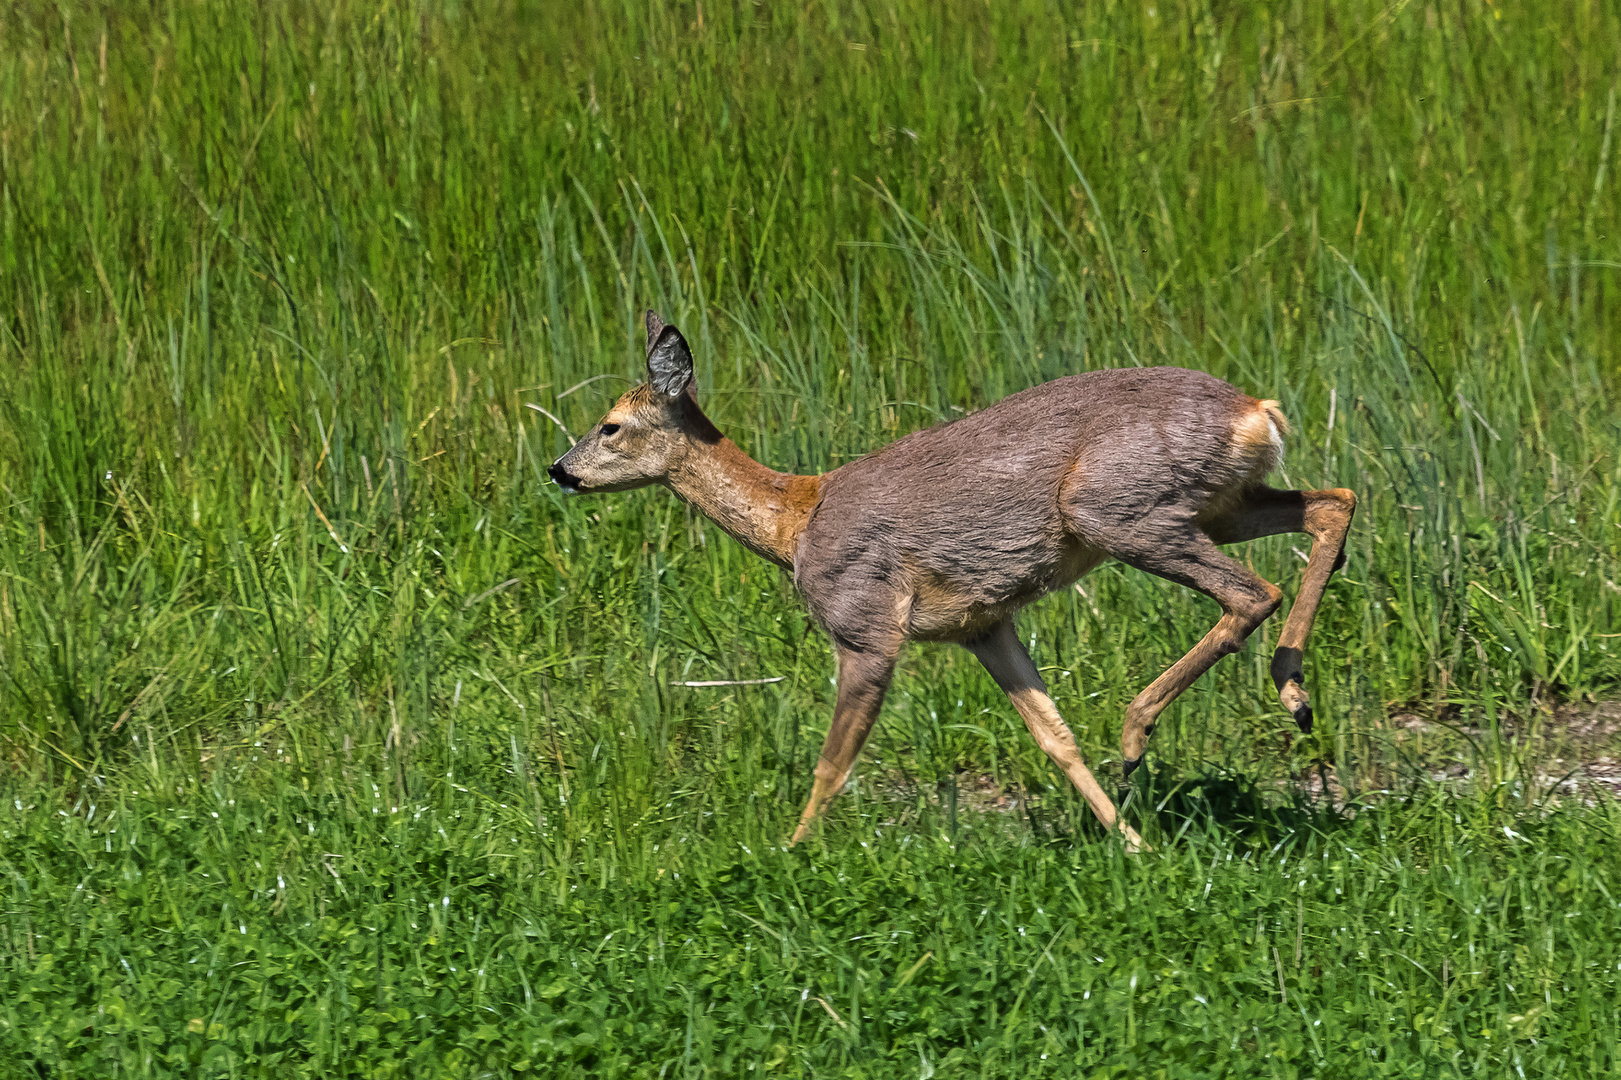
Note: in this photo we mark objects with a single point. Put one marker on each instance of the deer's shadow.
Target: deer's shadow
(1166, 804)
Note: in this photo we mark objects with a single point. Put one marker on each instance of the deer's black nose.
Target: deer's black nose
(563, 478)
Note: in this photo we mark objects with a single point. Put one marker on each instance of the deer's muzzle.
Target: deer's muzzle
(563, 478)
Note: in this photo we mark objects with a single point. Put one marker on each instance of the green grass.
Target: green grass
(277, 282)
(329, 935)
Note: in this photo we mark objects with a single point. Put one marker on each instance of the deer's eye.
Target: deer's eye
(609, 429)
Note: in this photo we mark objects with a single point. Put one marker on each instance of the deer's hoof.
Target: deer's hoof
(1303, 718)
(1294, 698)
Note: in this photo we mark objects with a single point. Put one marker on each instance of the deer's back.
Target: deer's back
(949, 529)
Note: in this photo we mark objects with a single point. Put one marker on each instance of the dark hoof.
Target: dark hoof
(1303, 718)
(1129, 766)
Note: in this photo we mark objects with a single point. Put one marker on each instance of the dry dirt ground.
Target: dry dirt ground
(1569, 750)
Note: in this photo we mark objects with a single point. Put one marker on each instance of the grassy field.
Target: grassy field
(336, 742)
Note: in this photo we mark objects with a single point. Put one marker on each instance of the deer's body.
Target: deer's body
(945, 534)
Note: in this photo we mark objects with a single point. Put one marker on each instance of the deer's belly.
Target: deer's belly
(962, 603)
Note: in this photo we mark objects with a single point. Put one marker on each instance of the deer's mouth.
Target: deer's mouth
(565, 479)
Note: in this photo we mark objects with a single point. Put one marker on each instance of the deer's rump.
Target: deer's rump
(946, 532)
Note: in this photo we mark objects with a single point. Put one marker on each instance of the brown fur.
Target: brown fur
(945, 534)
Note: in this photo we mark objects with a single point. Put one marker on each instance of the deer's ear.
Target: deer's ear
(669, 363)
(655, 326)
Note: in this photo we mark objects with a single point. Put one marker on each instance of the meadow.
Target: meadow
(335, 741)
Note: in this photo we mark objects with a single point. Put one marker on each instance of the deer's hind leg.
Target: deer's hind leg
(1189, 558)
(1004, 656)
(1326, 517)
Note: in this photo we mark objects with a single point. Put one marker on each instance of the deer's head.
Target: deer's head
(648, 430)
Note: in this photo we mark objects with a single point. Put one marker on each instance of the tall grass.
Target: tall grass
(277, 284)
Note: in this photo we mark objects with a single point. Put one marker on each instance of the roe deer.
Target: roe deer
(945, 534)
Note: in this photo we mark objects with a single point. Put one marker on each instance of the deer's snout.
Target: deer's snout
(563, 478)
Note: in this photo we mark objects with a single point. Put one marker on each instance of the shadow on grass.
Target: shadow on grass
(1165, 805)
(1232, 803)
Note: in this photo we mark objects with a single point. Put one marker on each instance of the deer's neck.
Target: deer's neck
(760, 508)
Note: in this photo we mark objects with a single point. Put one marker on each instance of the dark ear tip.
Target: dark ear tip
(655, 326)
(669, 338)
(669, 362)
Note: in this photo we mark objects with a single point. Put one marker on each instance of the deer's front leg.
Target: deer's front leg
(863, 679)
(1005, 658)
